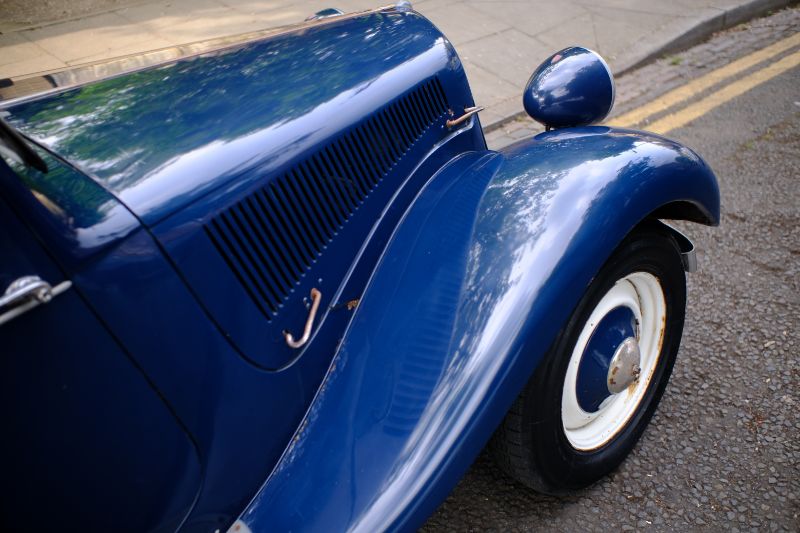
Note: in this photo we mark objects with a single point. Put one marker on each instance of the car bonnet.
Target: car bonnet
(162, 137)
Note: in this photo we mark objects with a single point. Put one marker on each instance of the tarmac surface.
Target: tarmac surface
(723, 450)
(499, 42)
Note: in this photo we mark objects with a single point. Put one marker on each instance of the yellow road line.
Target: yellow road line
(725, 94)
(702, 83)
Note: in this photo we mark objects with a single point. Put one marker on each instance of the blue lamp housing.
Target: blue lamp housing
(573, 87)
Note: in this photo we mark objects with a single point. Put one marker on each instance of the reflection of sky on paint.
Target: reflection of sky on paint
(274, 145)
(87, 216)
(560, 190)
(549, 217)
(545, 204)
(115, 223)
(562, 79)
(184, 125)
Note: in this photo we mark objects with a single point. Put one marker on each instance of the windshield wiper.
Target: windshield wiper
(13, 141)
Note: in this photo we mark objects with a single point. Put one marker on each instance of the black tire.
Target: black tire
(531, 445)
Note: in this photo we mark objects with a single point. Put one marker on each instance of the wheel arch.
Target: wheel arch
(480, 275)
(684, 210)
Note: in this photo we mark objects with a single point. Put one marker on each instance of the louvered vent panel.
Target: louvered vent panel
(270, 238)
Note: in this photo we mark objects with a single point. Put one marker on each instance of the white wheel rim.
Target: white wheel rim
(641, 292)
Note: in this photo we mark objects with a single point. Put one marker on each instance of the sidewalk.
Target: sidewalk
(500, 42)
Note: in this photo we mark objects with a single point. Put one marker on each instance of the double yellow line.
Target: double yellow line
(728, 92)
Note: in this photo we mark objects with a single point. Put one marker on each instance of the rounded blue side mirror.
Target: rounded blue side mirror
(573, 87)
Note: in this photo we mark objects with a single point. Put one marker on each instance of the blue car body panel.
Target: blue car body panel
(481, 274)
(241, 415)
(146, 263)
(573, 87)
(243, 153)
(238, 114)
(87, 440)
(194, 205)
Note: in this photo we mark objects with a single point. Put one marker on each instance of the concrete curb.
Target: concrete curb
(705, 28)
(693, 35)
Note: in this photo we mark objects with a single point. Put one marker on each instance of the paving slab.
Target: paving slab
(500, 42)
(532, 17)
(99, 36)
(17, 49)
(463, 23)
(503, 53)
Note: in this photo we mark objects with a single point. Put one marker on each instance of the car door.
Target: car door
(87, 443)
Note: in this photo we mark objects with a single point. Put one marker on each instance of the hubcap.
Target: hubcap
(613, 361)
(624, 369)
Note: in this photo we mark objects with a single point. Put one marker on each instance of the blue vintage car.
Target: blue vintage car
(286, 286)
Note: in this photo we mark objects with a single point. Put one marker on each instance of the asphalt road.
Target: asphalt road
(723, 451)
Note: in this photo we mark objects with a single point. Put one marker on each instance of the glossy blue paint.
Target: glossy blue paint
(75, 216)
(330, 87)
(241, 415)
(592, 380)
(86, 439)
(86, 424)
(573, 87)
(477, 270)
(194, 254)
(156, 288)
(230, 120)
(482, 272)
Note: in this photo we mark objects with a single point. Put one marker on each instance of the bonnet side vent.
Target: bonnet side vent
(272, 237)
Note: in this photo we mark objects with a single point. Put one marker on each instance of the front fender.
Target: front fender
(479, 277)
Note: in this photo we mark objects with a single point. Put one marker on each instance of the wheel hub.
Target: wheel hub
(625, 366)
(613, 361)
(606, 346)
